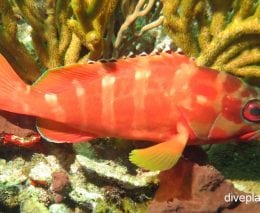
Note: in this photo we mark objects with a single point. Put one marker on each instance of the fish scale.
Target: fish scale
(163, 98)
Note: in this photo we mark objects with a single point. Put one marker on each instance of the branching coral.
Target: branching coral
(90, 24)
(58, 38)
(139, 17)
(71, 31)
(225, 36)
(62, 32)
(138, 11)
(222, 35)
(50, 34)
(13, 50)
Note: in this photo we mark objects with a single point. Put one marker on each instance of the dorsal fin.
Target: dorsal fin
(61, 77)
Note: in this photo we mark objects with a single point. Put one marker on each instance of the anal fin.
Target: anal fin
(164, 155)
(61, 133)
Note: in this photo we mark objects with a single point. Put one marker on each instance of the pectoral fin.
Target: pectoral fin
(162, 156)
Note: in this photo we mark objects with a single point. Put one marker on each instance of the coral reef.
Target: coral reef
(203, 190)
(91, 22)
(224, 36)
(140, 29)
(221, 36)
(32, 181)
(11, 47)
(60, 33)
(239, 163)
(88, 178)
(61, 178)
(39, 35)
(42, 35)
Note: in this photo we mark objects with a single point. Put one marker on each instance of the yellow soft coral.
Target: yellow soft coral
(90, 23)
(10, 46)
(221, 35)
(62, 32)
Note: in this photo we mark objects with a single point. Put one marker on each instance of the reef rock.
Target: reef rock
(189, 187)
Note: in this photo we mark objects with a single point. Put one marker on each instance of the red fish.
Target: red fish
(162, 98)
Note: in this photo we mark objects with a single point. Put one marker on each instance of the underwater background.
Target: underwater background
(37, 35)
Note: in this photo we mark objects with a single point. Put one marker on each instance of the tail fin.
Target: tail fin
(13, 91)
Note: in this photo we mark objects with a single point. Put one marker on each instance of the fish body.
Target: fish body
(162, 98)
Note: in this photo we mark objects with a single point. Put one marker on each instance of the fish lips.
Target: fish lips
(254, 135)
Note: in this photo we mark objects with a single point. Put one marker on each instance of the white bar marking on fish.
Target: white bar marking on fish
(52, 100)
(142, 74)
(221, 77)
(80, 93)
(80, 90)
(108, 81)
(28, 89)
(108, 114)
(201, 99)
(180, 85)
(140, 91)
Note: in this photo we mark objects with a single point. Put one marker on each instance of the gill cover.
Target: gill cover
(237, 119)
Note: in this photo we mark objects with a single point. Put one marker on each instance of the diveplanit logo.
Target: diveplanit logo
(248, 198)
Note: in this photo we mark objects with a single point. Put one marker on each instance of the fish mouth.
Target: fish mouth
(254, 135)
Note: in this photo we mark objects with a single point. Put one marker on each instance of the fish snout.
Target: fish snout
(254, 135)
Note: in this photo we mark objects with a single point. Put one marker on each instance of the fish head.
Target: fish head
(239, 115)
(221, 107)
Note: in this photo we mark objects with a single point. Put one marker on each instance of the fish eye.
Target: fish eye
(251, 111)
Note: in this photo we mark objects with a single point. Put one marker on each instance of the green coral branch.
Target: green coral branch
(10, 46)
(32, 13)
(65, 36)
(244, 8)
(237, 47)
(50, 32)
(178, 23)
(61, 32)
(51, 35)
(217, 33)
(245, 59)
(89, 26)
(74, 47)
(86, 10)
(223, 39)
